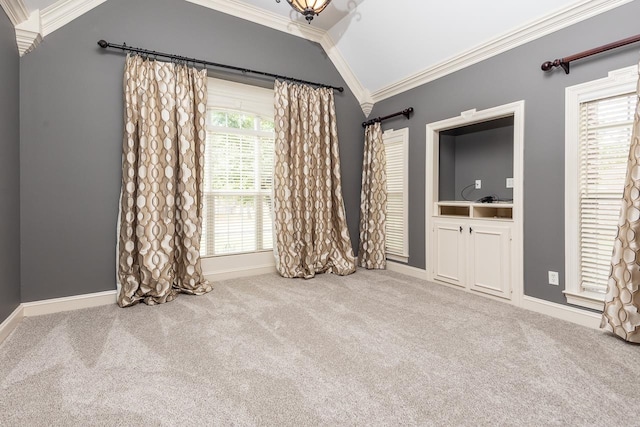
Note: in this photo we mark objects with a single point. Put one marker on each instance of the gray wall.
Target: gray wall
(9, 169)
(482, 151)
(447, 167)
(509, 77)
(487, 155)
(72, 132)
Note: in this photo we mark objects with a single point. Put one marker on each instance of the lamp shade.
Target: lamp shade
(309, 8)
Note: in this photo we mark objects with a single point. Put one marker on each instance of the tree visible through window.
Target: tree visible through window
(238, 171)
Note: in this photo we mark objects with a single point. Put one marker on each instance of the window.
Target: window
(238, 170)
(396, 144)
(599, 123)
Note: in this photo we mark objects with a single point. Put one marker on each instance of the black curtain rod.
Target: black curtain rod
(406, 113)
(104, 44)
(564, 62)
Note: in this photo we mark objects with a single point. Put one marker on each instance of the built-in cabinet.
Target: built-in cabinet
(473, 253)
(474, 234)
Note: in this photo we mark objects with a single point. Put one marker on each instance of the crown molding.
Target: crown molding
(277, 22)
(529, 32)
(62, 12)
(15, 10)
(263, 17)
(361, 94)
(29, 33)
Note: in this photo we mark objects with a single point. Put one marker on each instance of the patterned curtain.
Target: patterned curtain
(373, 201)
(162, 175)
(310, 226)
(621, 313)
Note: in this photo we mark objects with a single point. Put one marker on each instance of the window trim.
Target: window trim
(617, 82)
(404, 134)
(239, 97)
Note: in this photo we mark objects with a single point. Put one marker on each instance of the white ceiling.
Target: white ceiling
(384, 47)
(384, 44)
(386, 41)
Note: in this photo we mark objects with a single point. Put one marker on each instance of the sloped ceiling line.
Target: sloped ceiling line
(15, 10)
(280, 23)
(529, 32)
(62, 12)
(31, 27)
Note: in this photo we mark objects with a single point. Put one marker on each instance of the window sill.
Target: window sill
(230, 265)
(398, 258)
(592, 300)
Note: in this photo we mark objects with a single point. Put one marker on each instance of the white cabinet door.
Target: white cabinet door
(449, 252)
(489, 259)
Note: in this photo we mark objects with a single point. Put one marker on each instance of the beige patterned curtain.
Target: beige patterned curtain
(373, 201)
(622, 304)
(310, 226)
(162, 175)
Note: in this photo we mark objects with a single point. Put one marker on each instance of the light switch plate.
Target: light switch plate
(509, 182)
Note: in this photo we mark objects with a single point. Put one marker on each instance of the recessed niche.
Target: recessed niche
(481, 151)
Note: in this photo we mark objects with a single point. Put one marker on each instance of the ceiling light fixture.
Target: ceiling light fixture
(308, 8)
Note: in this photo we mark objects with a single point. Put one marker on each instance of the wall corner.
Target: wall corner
(29, 33)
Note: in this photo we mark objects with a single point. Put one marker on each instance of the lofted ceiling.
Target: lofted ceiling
(380, 47)
(334, 13)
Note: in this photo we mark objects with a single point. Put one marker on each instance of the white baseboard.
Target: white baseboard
(39, 308)
(564, 312)
(559, 311)
(418, 273)
(57, 305)
(11, 323)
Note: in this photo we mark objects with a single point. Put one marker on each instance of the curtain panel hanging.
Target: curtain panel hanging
(310, 226)
(621, 314)
(373, 201)
(162, 176)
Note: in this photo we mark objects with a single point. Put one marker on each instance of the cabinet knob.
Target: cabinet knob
(470, 230)
(461, 229)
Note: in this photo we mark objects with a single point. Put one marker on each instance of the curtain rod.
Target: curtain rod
(104, 44)
(564, 62)
(406, 113)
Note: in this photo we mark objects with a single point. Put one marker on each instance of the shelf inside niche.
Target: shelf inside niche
(454, 209)
(495, 211)
(498, 211)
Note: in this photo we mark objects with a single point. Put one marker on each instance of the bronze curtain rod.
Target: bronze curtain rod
(406, 113)
(564, 62)
(103, 44)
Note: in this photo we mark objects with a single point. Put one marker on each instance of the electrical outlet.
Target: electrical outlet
(553, 278)
(509, 182)
(478, 184)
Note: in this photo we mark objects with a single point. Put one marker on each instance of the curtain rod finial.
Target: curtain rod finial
(103, 44)
(407, 112)
(547, 66)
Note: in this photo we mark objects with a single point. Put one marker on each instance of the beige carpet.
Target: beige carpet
(374, 348)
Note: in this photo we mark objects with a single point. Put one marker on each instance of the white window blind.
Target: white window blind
(604, 137)
(396, 150)
(238, 169)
